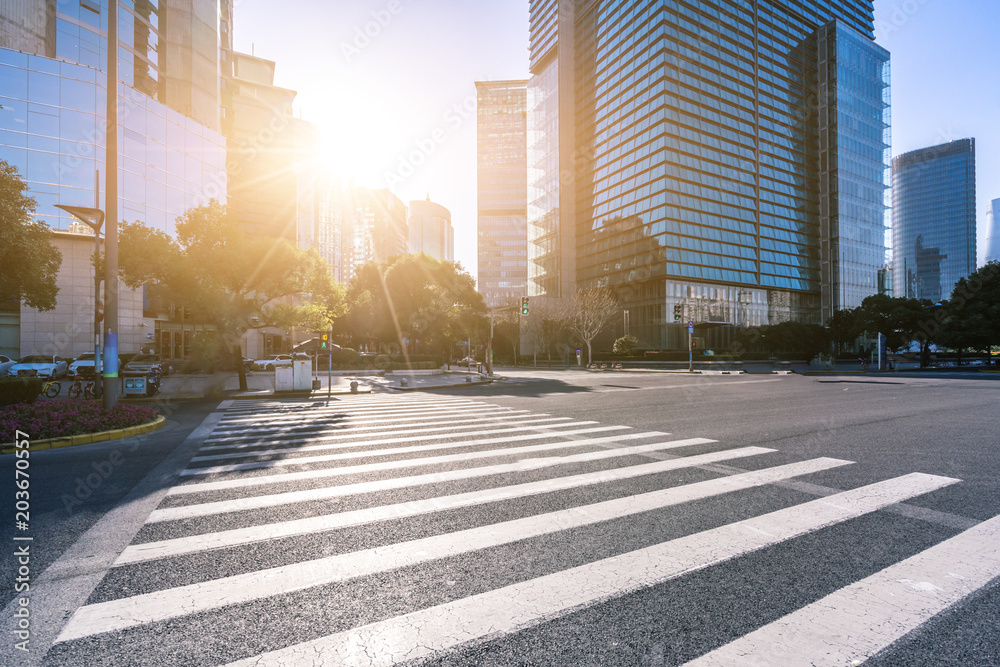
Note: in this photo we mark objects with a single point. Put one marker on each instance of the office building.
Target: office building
(173, 156)
(267, 147)
(373, 228)
(502, 172)
(934, 219)
(993, 232)
(430, 230)
(729, 158)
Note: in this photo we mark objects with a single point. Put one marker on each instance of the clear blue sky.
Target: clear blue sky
(399, 107)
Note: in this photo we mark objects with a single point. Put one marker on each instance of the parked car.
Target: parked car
(272, 362)
(39, 365)
(82, 365)
(5, 364)
(144, 363)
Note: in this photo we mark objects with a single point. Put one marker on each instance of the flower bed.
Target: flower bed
(56, 419)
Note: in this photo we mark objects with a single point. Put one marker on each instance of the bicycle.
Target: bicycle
(51, 389)
(78, 388)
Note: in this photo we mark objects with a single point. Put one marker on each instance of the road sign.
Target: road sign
(690, 326)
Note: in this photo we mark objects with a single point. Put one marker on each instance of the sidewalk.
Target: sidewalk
(197, 386)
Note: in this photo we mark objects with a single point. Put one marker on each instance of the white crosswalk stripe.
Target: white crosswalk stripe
(506, 479)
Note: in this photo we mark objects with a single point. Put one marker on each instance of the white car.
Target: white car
(38, 365)
(272, 362)
(5, 364)
(82, 364)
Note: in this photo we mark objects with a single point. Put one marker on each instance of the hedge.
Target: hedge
(19, 390)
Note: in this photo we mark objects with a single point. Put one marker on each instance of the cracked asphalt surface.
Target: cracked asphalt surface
(888, 426)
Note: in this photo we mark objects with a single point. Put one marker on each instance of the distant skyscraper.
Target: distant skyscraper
(728, 158)
(502, 189)
(993, 232)
(430, 230)
(934, 219)
(373, 228)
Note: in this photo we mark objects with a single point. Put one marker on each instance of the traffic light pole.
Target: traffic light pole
(690, 353)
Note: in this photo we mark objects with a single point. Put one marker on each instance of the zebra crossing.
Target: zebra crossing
(349, 515)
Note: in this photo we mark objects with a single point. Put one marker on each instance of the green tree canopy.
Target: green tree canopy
(29, 262)
(972, 315)
(229, 279)
(416, 298)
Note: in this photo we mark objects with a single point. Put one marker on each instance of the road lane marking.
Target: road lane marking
(854, 623)
(524, 465)
(305, 408)
(239, 589)
(415, 426)
(532, 426)
(279, 478)
(305, 460)
(506, 610)
(266, 425)
(273, 531)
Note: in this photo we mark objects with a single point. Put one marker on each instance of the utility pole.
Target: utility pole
(111, 381)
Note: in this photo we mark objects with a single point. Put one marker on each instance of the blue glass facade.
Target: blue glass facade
(697, 154)
(855, 162)
(52, 130)
(934, 219)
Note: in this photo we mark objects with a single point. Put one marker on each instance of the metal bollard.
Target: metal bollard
(354, 386)
(403, 382)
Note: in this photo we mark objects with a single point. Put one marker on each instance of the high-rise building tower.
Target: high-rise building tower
(373, 228)
(993, 232)
(266, 146)
(172, 156)
(934, 219)
(430, 230)
(502, 163)
(725, 157)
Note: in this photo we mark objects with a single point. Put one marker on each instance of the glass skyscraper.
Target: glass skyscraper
(172, 156)
(934, 219)
(501, 178)
(725, 156)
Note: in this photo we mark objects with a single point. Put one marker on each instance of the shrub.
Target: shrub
(19, 390)
(625, 345)
(56, 419)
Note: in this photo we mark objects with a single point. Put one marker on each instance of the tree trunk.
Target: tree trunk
(925, 354)
(237, 356)
(590, 356)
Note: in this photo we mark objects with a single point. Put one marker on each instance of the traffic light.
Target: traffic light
(524, 305)
(677, 313)
(324, 341)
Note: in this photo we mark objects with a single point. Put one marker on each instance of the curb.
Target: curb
(88, 438)
(442, 386)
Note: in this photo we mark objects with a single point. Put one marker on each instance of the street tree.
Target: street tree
(844, 328)
(797, 338)
(29, 262)
(228, 279)
(589, 312)
(972, 315)
(416, 303)
(548, 324)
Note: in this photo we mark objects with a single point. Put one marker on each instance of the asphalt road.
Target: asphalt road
(630, 519)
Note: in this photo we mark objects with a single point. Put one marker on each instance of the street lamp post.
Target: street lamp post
(93, 218)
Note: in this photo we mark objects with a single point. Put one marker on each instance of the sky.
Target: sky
(391, 84)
